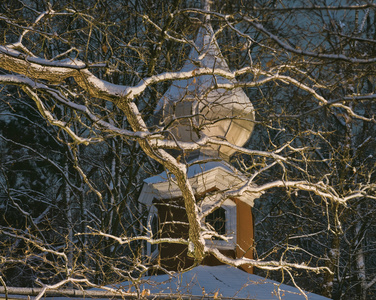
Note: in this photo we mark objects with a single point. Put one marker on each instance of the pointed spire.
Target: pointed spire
(195, 109)
(206, 6)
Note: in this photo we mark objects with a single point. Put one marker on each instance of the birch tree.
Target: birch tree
(95, 71)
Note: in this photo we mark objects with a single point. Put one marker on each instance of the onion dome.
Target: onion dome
(194, 107)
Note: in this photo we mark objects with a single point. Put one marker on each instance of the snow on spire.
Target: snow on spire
(206, 6)
(195, 98)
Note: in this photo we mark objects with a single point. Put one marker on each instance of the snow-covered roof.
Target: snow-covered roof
(217, 175)
(202, 282)
(196, 169)
(225, 282)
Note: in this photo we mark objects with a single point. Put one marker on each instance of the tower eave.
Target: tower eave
(207, 177)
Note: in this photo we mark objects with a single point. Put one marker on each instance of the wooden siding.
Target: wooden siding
(245, 233)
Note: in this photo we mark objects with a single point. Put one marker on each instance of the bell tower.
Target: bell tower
(191, 109)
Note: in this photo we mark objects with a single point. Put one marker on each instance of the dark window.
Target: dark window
(217, 219)
(154, 230)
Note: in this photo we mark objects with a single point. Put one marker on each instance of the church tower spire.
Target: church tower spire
(189, 110)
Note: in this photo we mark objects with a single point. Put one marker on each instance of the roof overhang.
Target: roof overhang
(210, 176)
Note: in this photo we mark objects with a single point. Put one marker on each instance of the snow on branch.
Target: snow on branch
(266, 265)
(108, 291)
(319, 189)
(128, 240)
(57, 71)
(48, 116)
(59, 97)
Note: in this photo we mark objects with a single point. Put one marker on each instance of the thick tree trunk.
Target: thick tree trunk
(197, 243)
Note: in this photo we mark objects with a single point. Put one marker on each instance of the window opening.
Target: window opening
(154, 229)
(217, 219)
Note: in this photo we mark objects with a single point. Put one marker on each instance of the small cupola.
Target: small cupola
(194, 107)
